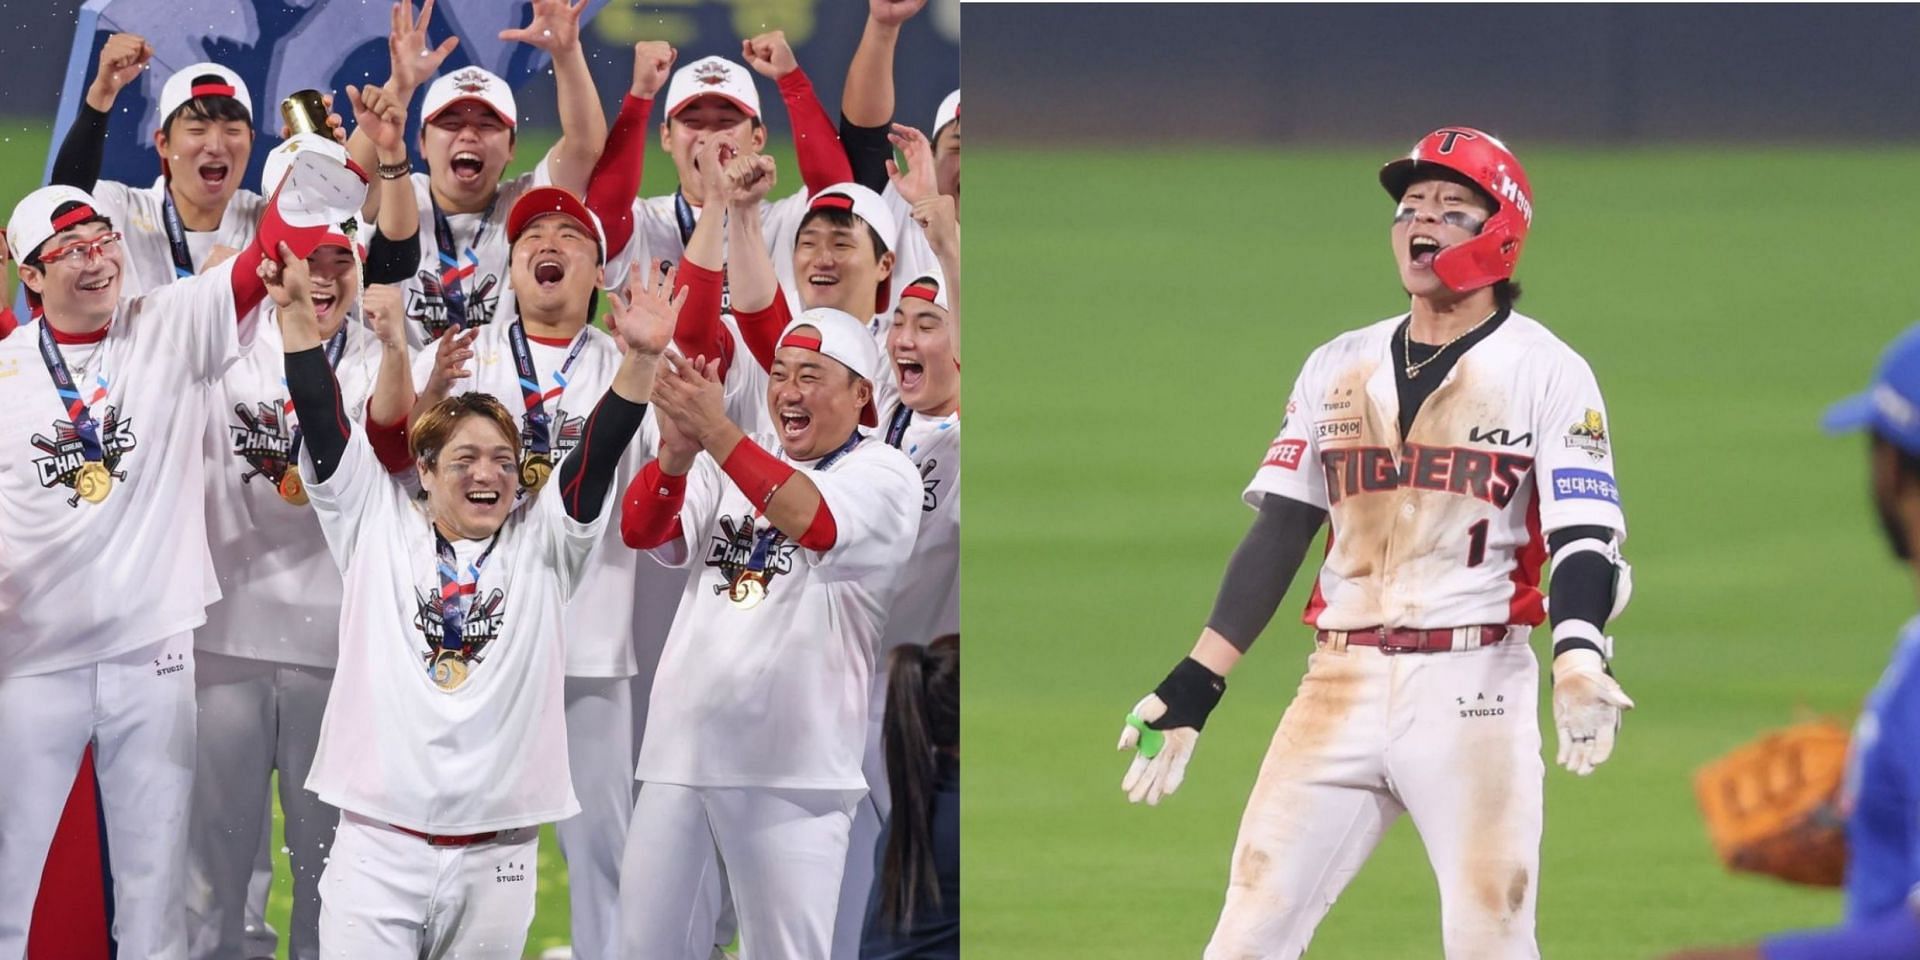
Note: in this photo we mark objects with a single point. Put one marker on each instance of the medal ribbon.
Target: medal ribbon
(766, 540)
(335, 346)
(897, 425)
(176, 234)
(539, 431)
(456, 266)
(84, 425)
(455, 592)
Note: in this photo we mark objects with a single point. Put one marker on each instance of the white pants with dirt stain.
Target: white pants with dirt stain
(1452, 739)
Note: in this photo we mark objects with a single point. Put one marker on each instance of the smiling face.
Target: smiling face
(555, 267)
(837, 263)
(920, 345)
(467, 147)
(77, 283)
(1434, 214)
(703, 119)
(815, 400)
(471, 477)
(206, 145)
(335, 283)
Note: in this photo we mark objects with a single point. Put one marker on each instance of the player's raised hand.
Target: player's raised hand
(939, 217)
(379, 115)
(769, 55)
(689, 393)
(917, 182)
(652, 67)
(336, 127)
(450, 358)
(287, 279)
(1164, 728)
(710, 159)
(121, 60)
(385, 307)
(410, 61)
(677, 448)
(555, 26)
(643, 315)
(1587, 704)
(749, 178)
(892, 13)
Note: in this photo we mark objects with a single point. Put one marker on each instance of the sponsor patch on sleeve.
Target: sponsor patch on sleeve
(1577, 484)
(1285, 454)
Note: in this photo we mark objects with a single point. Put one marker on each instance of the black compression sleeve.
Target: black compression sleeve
(1583, 584)
(1262, 568)
(392, 261)
(316, 400)
(587, 473)
(868, 151)
(78, 163)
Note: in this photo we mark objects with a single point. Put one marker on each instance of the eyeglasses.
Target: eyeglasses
(81, 250)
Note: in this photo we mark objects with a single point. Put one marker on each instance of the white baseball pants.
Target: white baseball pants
(1452, 739)
(783, 851)
(600, 751)
(137, 709)
(389, 895)
(863, 844)
(255, 717)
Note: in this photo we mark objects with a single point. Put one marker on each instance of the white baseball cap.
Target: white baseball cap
(841, 338)
(540, 201)
(949, 112)
(318, 183)
(867, 205)
(470, 83)
(930, 286)
(37, 217)
(713, 76)
(202, 80)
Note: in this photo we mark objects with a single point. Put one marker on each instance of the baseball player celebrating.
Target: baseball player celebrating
(758, 712)
(444, 740)
(1883, 823)
(1453, 449)
(105, 404)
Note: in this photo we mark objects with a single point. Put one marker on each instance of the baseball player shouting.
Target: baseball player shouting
(759, 711)
(444, 740)
(1454, 449)
(103, 545)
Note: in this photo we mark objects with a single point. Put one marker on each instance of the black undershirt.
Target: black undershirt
(868, 151)
(1414, 391)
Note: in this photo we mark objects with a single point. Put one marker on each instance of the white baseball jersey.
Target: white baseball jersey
(598, 623)
(913, 256)
(480, 262)
(658, 232)
(775, 695)
(81, 581)
(139, 214)
(928, 605)
(1445, 527)
(491, 752)
(280, 592)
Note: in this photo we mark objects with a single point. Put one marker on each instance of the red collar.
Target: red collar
(74, 338)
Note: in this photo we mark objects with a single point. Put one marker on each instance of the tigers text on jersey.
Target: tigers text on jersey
(101, 557)
(1446, 526)
(598, 622)
(280, 591)
(140, 216)
(487, 751)
(775, 694)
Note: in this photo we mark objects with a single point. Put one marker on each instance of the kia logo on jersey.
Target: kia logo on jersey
(1499, 437)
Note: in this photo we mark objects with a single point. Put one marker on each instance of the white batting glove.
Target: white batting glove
(1161, 762)
(1586, 708)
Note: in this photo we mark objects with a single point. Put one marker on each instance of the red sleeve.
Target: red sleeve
(650, 511)
(823, 160)
(616, 178)
(700, 332)
(821, 534)
(761, 329)
(248, 288)
(389, 442)
(7, 321)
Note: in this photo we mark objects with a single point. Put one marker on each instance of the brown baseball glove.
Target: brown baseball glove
(1773, 805)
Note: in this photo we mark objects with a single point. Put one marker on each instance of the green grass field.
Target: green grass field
(1138, 318)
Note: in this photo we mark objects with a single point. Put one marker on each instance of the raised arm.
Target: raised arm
(759, 309)
(410, 63)
(310, 381)
(823, 161)
(617, 175)
(866, 100)
(382, 118)
(642, 317)
(121, 60)
(700, 332)
(555, 29)
(391, 404)
(937, 214)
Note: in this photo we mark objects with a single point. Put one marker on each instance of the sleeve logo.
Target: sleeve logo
(1285, 454)
(1576, 484)
(1590, 434)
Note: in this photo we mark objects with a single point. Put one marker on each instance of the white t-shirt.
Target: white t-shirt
(599, 643)
(485, 283)
(777, 695)
(137, 212)
(656, 233)
(1450, 531)
(928, 605)
(280, 589)
(82, 581)
(489, 753)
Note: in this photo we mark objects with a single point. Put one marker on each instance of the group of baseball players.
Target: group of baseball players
(341, 480)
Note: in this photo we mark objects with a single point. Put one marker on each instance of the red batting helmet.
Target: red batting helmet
(1489, 257)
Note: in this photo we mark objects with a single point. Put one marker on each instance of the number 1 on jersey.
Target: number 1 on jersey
(1476, 543)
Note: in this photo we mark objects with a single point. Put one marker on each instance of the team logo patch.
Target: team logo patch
(1285, 454)
(481, 628)
(471, 81)
(1577, 484)
(262, 440)
(427, 306)
(732, 549)
(712, 74)
(65, 456)
(1590, 434)
(1337, 431)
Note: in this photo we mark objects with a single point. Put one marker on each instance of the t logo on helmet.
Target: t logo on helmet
(1447, 137)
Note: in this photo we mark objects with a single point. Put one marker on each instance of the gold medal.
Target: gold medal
(292, 490)
(747, 591)
(449, 671)
(94, 482)
(534, 471)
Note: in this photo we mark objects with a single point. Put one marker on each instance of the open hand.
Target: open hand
(555, 26)
(410, 61)
(917, 182)
(643, 314)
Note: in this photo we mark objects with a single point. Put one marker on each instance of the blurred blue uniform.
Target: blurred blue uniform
(1883, 789)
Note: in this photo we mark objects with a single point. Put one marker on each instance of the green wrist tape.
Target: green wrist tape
(1151, 740)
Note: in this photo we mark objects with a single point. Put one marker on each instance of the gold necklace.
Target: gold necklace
(1406, 339)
